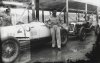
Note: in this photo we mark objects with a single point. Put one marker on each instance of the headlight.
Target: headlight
(71, 26)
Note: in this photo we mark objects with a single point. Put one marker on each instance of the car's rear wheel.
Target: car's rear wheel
(10, 50)
(82, 33)
(64, 37)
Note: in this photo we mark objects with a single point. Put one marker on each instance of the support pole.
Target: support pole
(33, 10)
(64, 17)
(78, 17)
(97, 14)
(37, 9)
(85, 11)
(67, 13)
(28, 17)
(42, 15)
(0, 49)
(0, 45)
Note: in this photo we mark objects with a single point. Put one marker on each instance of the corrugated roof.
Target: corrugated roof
(60, 4)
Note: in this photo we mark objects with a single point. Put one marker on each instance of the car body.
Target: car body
(32, 30)
(20, 35)
(16, 37)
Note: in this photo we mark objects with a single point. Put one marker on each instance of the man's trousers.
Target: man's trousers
(55, 32)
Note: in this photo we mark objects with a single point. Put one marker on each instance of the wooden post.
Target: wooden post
(64, 17)
(97, 14)
(42, 15)
(28, 17)
(85, 11)
(33, 10)
(37, 9)
(1, 49)
(0, 46)
(78, 17)
(67, 13)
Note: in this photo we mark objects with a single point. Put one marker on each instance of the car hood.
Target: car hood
(18, 30)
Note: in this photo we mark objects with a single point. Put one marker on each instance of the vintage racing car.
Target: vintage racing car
(79, 29)
(14, 37)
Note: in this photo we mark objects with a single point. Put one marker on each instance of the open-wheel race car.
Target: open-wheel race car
(14, 37)
(80, 29)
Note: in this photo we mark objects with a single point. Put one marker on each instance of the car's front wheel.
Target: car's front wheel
(82, 33)
(64, 37)
(10, 50)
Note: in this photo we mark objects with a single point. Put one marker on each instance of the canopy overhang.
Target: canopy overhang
(58, 5)
(74, 6)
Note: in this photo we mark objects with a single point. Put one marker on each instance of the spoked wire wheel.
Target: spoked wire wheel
(10, 50)
(82, 34)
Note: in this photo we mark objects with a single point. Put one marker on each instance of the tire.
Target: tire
(97, 30)
(10, 50)
(82, 34)
(64, 37)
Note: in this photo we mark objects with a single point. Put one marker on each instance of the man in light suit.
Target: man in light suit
(55, 27)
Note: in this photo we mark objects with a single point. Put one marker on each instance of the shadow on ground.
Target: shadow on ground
(94, 55)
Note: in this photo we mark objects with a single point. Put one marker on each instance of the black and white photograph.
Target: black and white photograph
(50, 31)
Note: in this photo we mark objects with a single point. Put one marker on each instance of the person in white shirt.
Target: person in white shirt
(55, 27)
(6, 17)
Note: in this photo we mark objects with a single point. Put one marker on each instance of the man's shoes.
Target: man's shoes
(59, 49)
(53, 47)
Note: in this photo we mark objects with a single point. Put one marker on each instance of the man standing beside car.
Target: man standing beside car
(55, 27)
